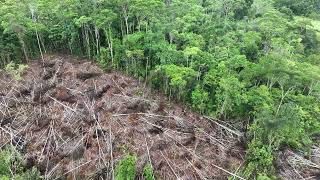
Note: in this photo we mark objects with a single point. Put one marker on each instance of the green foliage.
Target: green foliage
(32, 174)
(289, 126)
(178, 79)
(16, 70)
(126, 169)
(298, 7)
(11, 167)
(252, 43)
(5, 159)
(200, 100)
(250, 60)
(104, 59)
(230, 96)
(148, 172)
(260, 160)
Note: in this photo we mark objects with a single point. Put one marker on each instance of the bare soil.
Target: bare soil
(73, 121)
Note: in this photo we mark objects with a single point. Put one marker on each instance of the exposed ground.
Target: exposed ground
(72, 121)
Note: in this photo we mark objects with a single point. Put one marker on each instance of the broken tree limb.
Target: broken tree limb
(235, 132)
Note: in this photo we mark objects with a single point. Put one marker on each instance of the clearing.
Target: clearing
(71, 120)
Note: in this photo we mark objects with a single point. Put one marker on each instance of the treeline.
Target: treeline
(253, 61)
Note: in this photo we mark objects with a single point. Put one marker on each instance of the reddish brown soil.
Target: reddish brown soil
(73, 121)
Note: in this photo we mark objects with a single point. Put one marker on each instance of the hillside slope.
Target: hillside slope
(71, 120)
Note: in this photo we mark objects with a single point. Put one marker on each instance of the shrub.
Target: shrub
(11, 167)
(148, 172)
(126, 169)
(16, 70)
(259, 159)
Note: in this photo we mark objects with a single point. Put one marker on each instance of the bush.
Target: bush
(126, 169)
(16, 70)
(148, 172)
(259, 160)
(12, 167)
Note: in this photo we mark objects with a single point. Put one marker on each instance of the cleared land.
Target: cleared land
(71, 120)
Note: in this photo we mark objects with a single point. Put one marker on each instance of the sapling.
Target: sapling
(16, 70)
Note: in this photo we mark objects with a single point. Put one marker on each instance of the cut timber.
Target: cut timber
(86, 75)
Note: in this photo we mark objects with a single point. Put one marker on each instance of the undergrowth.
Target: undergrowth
(16, 70)
(12, 167)
(126, 169)
(148, 172)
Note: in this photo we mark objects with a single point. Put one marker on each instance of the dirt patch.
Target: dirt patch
(71, 120)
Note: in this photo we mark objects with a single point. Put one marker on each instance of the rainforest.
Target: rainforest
(159, 89)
